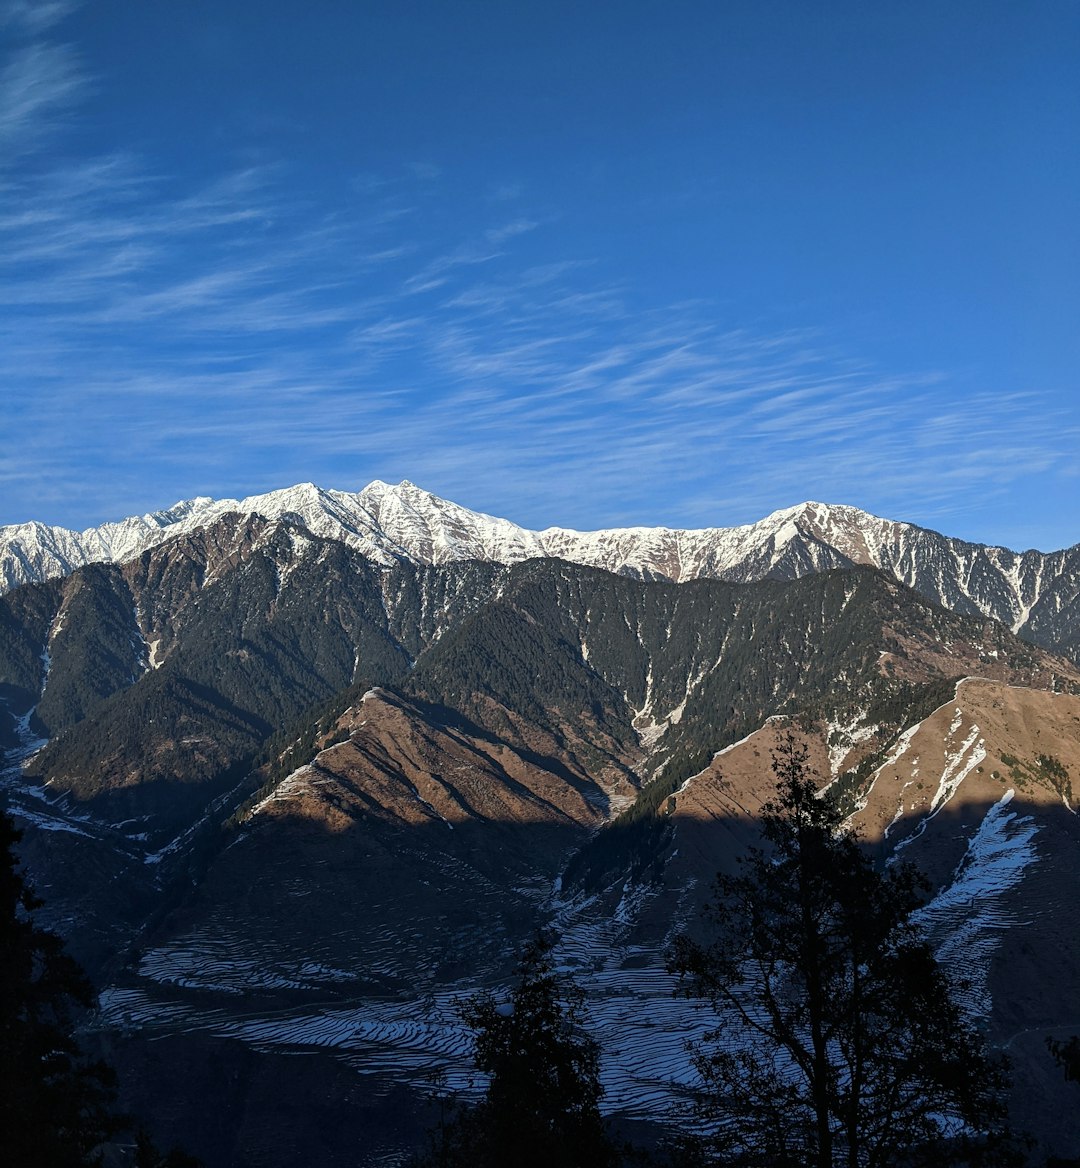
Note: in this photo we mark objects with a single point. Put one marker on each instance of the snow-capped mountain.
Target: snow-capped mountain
(314, 764)
(1033, 593)
(387, 523)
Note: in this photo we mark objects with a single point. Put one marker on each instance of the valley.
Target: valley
(295, 777)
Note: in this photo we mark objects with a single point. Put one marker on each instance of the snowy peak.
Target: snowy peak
(421, 527)
(855, 534)
(1030, 592)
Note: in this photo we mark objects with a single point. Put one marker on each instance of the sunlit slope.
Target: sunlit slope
(981, 796)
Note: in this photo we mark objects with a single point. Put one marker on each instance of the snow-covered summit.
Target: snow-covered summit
(404, 522)
(390, 523)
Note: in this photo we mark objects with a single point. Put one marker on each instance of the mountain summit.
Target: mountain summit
(1031, 592)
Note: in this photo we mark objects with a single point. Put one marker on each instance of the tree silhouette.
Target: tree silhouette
(840, 1042)
(56, 1105)
(1067, 1055)
(541, 1108)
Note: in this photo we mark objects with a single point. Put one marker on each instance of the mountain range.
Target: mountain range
(296, 772)
(1034, 593)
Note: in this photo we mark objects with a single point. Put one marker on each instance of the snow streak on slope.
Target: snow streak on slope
(960, 758)
(967, 918)
(392, 523)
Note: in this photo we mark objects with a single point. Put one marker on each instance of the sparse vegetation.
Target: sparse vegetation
(1054, 773)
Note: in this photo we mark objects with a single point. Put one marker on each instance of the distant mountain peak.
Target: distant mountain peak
(390, 523)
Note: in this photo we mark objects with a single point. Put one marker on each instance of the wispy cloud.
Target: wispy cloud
(507, 231)
(427, 171)
(37, 83)
(34, 17)
(169, 339)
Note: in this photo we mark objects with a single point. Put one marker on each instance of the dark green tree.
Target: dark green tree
(1066, 1054)
(148, 1156)
(541, 1108)
(840, 1041)
(56, 1105)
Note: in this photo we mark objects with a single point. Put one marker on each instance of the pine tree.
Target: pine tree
(542, 1104)
(840, 1041)
(1067, 1055)
(148, 1156)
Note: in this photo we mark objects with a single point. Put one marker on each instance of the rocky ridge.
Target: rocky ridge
(1036, 594)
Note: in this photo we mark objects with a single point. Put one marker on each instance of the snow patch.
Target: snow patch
(958, 765)
(47, 822)
(899, 810)
(843, 737)
(966, 919)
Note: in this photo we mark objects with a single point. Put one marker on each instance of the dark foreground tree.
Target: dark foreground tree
(57, 1106)
(541, 1108)
(148, 1156)
(840, 1042)
(1066, 1054)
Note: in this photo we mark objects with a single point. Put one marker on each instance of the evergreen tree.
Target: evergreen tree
(1067, 1056)
(148, 1156)
(56, 1105)
(840, 1041)
(542, 1104)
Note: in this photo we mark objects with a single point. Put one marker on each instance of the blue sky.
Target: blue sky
(585, 264)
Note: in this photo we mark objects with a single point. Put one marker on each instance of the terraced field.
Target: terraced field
(355, 946)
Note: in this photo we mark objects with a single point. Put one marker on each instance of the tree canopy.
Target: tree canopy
(56, 1106)
(541, 1108)
(1067, 1055)
(840, 1041)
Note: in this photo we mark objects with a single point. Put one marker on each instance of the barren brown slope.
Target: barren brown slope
(982, 797)
(717, 811)
(986, 794)
(941, 777)
(991, 739)
(411, 854)
(400, 768)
